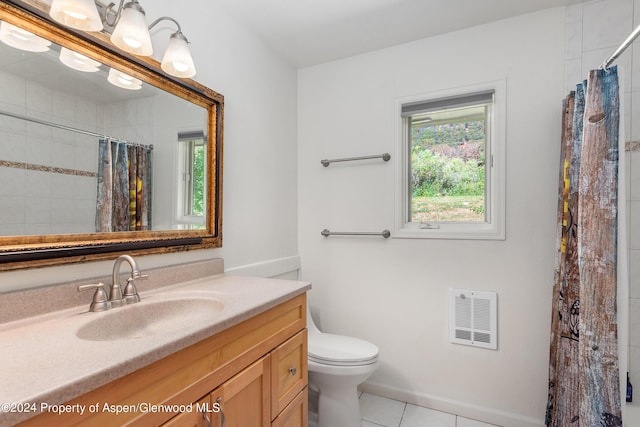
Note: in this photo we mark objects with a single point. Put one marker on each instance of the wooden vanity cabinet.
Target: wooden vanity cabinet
(197, 418)
(241, 401)
(273, 388)
(255, 372)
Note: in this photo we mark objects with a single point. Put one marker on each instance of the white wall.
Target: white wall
(259, 182)
(394, 292)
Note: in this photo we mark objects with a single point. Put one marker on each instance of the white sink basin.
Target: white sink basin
(150, 318)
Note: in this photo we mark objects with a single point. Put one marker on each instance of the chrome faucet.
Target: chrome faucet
(117, 296)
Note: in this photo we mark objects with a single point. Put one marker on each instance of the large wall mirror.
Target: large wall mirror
(100, 152)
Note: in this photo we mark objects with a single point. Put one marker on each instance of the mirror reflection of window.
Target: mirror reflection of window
(192, 158)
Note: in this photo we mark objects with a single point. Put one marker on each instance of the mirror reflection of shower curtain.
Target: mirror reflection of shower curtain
(124, 186)
(584, 380)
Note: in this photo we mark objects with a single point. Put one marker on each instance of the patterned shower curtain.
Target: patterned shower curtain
(584, 384)
(124, 186)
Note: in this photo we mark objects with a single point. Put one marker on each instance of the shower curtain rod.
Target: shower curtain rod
(625, 44)
(69, 128)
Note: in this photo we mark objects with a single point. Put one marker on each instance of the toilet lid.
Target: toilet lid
(331, 349)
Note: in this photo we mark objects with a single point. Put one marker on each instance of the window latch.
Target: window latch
(429, 226)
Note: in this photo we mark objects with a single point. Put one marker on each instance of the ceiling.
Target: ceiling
(310, 32)
(304, 32)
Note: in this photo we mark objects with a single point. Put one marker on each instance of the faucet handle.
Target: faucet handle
(130, 294)
(100, 301)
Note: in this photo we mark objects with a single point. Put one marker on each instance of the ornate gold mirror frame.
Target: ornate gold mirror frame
(28, 251)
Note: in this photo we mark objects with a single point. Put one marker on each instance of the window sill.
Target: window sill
(452, 231)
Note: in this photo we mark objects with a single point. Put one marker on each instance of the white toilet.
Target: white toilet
(337, 365)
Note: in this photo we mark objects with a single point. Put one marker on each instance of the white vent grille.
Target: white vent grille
(473, 318)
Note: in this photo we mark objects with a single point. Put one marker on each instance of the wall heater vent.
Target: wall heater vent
(473, 318)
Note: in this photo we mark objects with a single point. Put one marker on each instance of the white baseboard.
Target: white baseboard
(486, 415)
(281, 267)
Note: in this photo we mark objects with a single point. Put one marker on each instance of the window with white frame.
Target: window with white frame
(450, 176)
(192, 188)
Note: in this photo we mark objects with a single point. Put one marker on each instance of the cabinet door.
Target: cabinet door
(199, 416)
(244, 400)
(288, 371)
(296, 413)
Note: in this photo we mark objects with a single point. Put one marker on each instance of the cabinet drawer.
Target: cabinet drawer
(296, 413)
(288, 371)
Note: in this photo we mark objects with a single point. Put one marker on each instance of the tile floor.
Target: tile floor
(379, 411)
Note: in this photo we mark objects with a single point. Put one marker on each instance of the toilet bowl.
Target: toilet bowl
(337, 365)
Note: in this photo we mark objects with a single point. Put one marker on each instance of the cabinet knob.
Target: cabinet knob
(293, 370)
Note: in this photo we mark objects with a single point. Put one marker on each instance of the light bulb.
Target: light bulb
(75, 14)
(180, 66)
(132, 42)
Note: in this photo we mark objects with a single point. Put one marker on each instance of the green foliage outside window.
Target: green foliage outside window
(198, 180)
(448, 171)
(434, 174)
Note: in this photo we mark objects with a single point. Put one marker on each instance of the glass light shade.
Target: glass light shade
(124, 81)
(79, 14)
(177, 59)
(131, 34)
(21, 39)
(78, 62)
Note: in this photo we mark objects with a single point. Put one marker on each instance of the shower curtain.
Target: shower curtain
(124, 186)
(584, 380)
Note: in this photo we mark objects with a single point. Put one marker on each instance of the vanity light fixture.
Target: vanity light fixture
(131, 34)
(77, 61)
(130, 30)
(79, 14)
(21, 39)
(122, 80)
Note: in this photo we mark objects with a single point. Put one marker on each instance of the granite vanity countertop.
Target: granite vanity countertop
(44, 363)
